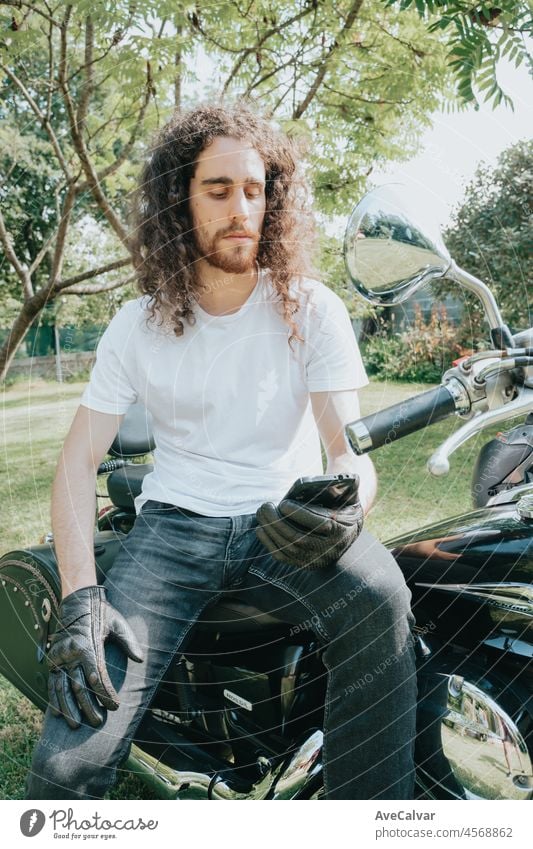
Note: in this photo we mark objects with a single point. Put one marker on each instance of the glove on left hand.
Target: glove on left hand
(308, 535)
(76, 659)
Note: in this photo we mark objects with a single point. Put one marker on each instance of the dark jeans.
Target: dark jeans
(172, 565)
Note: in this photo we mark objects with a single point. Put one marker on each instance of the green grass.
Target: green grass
(34, 418)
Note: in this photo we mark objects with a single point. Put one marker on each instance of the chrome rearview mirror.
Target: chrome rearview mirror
(389, 252)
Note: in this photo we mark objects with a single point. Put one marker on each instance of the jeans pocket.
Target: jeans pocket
(157, 507)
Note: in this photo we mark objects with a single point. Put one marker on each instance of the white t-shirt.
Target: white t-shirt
(230, 402)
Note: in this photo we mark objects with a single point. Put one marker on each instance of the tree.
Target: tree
(479, 35)
(85, 83)
(349, 78)
(79, 93)
(492, 234)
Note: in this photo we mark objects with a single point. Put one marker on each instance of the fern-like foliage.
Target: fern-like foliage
(480, 34)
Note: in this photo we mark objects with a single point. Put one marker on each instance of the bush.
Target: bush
(421, 353)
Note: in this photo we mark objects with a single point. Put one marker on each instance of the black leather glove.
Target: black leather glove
(76, 660)
(308, 535)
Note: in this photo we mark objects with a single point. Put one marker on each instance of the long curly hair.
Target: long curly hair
(164, 248)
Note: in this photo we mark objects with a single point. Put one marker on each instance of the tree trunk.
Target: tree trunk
(22, 324)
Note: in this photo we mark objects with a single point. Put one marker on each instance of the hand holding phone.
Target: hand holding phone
(315, 523)
(332, 491)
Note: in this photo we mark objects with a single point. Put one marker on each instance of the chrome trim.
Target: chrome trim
(509, 595)
(494, 369)
(305, 764)
(509, 496)
(466, 365)
(525, 507)
(285, 781)
(486, 752)
(473, 284)
(438, 462)
(459, 395)
(359, 437)
(171, 783)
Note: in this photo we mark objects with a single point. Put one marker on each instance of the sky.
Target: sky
(451, 150)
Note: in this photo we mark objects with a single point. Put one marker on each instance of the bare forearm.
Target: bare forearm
(73, 495)
(73, 510)
(349, 463)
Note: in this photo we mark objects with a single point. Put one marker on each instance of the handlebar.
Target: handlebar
(386, 426)
(110, 466)
(438, 463)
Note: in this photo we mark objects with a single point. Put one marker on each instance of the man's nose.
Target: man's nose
(240, 206)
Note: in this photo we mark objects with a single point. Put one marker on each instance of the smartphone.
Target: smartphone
(331, 491)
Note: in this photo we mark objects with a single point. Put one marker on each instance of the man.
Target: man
(244, 362)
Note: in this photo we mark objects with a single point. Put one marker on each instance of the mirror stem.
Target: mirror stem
(500, 333)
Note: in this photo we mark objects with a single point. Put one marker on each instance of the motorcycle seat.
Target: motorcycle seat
(230, 615)
(124, 485)
(135, 435)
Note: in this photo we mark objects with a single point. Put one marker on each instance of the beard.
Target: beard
(232, 259)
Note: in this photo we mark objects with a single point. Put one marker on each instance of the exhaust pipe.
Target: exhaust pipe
(169, 781)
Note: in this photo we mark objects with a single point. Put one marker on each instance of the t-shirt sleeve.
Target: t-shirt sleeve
(111, 386)
(334, 361)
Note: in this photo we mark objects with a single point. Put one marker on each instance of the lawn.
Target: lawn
(34, 419)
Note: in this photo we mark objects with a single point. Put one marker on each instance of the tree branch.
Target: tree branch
(275, 30)
(19, 4)
(79, 143)
(126, 150)
(116, 38)
(7, 241)
(42, 252)
(279, 65)
(49, 37)
(94, 272)
(60, 240)
(272, 73)
(42, 118)
(418, 53)
(88, 85)
(102, 287)
(378, 101)
(334, 47)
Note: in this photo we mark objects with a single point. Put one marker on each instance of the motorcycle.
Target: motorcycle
(239, 714)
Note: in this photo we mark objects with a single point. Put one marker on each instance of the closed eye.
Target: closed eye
(251, 193)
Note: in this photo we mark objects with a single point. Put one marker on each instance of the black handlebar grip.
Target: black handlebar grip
(385, 426)
(109, 466)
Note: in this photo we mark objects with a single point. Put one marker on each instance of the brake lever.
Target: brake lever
(438, 464)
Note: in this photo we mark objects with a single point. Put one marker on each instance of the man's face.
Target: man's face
(227, 204)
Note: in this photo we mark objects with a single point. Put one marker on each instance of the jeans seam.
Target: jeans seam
(227, 557)
(294, 593)
(128, 739)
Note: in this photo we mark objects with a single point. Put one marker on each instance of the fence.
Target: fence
(71, 364)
